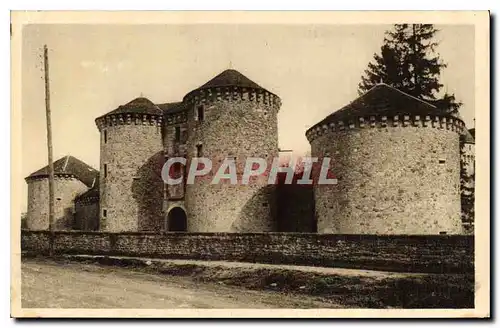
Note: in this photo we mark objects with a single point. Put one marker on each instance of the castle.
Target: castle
(396, 158)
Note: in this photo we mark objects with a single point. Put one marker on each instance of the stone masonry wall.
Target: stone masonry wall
(131, 191)
(234, 126)
(392, 179)
(391, 253)
(66, 188)
(175, 148)
(86, 216)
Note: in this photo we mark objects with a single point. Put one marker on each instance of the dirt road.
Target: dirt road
(47, 284)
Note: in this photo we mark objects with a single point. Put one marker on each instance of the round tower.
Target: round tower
(397, 164)
(71, 178)
(131, 186)
(231, 118)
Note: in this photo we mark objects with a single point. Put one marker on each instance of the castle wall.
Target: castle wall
(86, 216)
(438, 254)
(394, 177)
(66, 188)
(131, 191)
(238, 123)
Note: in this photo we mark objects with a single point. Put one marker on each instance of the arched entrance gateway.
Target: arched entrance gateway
(177, 219)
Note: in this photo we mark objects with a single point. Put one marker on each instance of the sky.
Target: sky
(314, 69)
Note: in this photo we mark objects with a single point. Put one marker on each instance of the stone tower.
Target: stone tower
(130, 162)
(397, 162)
(71, 177)
(230, 118)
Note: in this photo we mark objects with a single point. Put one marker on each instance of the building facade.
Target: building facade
(396, 160)
(229, 118)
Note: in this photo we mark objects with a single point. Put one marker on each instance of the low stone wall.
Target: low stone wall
(439, 254)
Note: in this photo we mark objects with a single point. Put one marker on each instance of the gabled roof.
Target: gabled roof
(383, 100)
(172, 108)
(139, 105)
(70, 165)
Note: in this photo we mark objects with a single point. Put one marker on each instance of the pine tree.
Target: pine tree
(408, 62)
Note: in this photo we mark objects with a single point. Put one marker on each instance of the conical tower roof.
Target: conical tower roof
(69, 165)
(229, 78)
(383, 100)
(139, 105)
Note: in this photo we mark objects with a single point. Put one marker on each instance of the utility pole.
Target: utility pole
(49, 146)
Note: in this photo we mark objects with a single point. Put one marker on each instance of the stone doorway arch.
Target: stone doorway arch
(177, 219)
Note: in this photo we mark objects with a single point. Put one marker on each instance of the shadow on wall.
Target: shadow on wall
(65, 222)
(147, 190)
(86, 217)
(295, 204)
(291, 207)
(295, 208)
(259, 213)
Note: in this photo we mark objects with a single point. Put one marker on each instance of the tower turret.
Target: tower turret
(71, 177)
(397, 162)
(130, 185)
(231, 117)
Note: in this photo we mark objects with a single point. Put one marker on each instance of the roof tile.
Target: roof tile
(382, 100)
(139, 105)
(70, 165)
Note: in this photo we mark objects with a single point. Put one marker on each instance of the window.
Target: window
(105, 170)
(104, 213)
(442, 161)
(177, 133)
(177, 170)
(201, 113)
(105, 136)
(199, 150)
